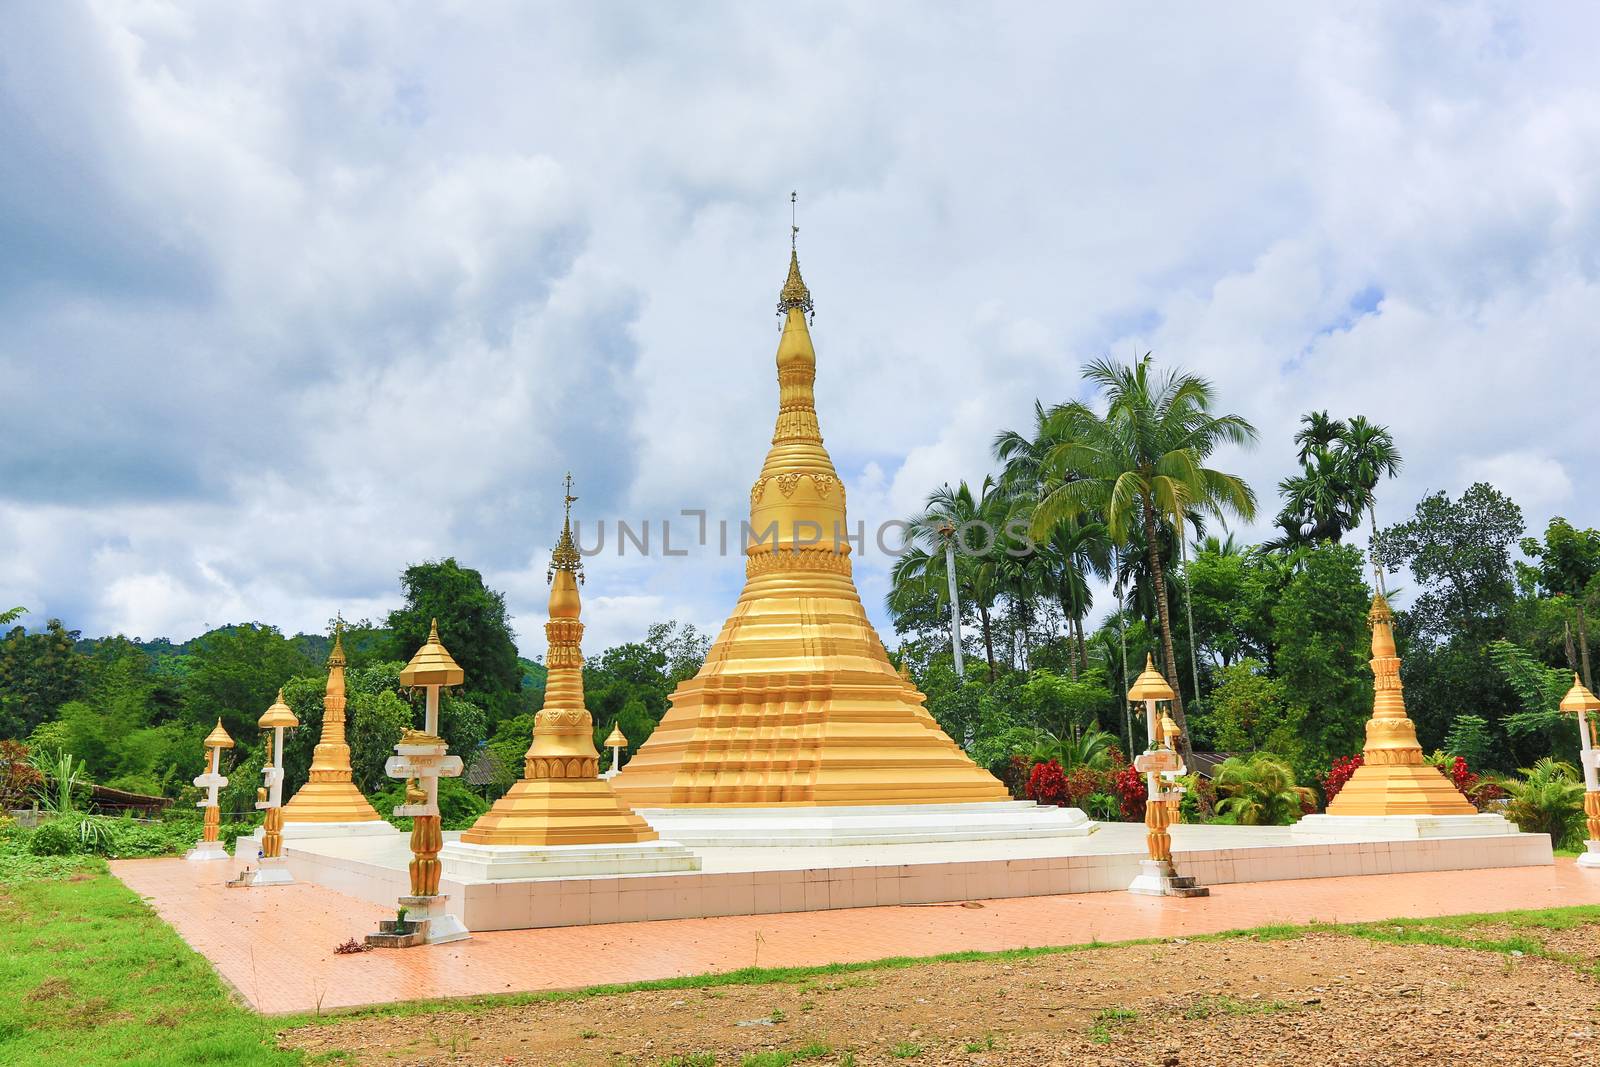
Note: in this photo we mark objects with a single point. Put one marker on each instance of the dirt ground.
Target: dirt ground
(1322, 999)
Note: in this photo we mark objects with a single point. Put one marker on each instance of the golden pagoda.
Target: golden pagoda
(561, 799)
(330, 795)
(1394, 779)
(797, 702)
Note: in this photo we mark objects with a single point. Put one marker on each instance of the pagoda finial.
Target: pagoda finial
(794, 294)
(566, 556)
(336, 657)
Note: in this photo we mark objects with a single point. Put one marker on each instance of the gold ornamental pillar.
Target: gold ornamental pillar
(272, 870)
(211, 780)
(421, 758)
(1583, 704)
(1157, 875)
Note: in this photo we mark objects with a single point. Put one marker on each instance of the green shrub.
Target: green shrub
(1259, 790)
(459, 806)
(1548, 799)
(54, 838)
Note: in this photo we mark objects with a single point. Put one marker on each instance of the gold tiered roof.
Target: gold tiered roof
(330, 795)
(218, 737)
(561, 800)
(797, 703)
(432, 664)
(1394, 779)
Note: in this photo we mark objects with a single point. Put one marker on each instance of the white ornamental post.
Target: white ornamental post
(1582, 703)
(274, 869)
(211, 780)
(423, 757)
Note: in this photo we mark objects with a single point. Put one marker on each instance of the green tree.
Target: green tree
(1470, 738)
(957, 529)
(473, 625)
(1142, 466)
(11, 615)
(1250, 711)
(1322, 646)
(1567, 562)
(234, 673)
(1548, 799)
(39, 672)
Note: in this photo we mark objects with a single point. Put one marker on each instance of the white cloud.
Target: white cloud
(292, 297)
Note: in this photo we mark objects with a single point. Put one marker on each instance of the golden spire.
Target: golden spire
(330, 795)
(1394, 779)
(566, 557)
(797, 701)
(1150, 685)
(561, 799)
(794, 296)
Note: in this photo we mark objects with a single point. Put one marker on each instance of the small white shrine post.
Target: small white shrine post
(208, 847)
(616, 742)
(1582, 703)
(1160, 764)
(421, 759)
(273, 869)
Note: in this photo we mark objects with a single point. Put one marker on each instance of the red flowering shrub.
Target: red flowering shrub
(18, 778)
(1128, 786)
(1340, 773)
(1479, 789)
(1047, 784)
(1078, 784)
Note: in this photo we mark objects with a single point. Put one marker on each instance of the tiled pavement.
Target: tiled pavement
(275, 945)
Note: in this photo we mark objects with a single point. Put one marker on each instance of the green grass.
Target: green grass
(90, 975)
(693, 1059)
(1109, 1022)
(986, 1045)
(1209, 1007)
(905, 1050)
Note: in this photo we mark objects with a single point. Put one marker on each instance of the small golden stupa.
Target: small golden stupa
(330, 795)
(432, 664)
(561, 799)
(797, 702)
(1394, 779)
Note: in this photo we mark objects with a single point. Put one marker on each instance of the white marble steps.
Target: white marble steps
(887, 824)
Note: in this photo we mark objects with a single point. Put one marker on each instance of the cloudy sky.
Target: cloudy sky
(294, 294)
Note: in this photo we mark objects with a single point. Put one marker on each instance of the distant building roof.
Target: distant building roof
(484, 769)
(1205, 763)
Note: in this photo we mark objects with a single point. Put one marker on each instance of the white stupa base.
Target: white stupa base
(442, 926)
(494, 863)
(1590, 856)
(207, 850)
(308, 831)
(272, 872)
(887, 824)
(1404, 827)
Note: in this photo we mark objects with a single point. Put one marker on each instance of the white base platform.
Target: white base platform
(494, 863)
(1405, 827)
(1590, 856)
(272, 872)
(887, 824)
(1155, 879)
(207, 850)
(293, 831)
(442, 926)
(760, 881)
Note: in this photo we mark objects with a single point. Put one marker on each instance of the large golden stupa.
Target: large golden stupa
(561, 800)
(330, 796)
(1394, 779)
(797, 703)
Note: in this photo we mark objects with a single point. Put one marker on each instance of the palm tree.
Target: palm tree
(1548, 799)
(1323, 495)
(951, 550)
(1317, 433)
(1259, 790)
(1142, 465)
(1075, 552)
(1369, 457)
(12, 615)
